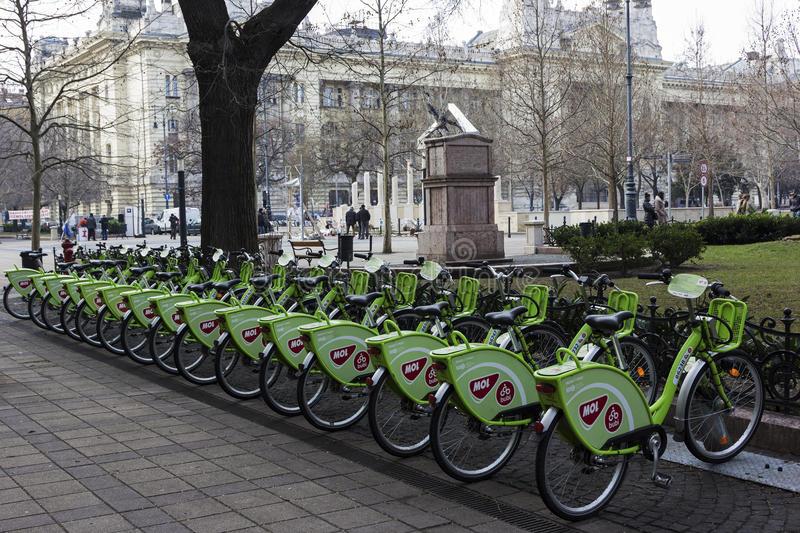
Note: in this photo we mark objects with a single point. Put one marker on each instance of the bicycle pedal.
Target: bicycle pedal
(662, 480)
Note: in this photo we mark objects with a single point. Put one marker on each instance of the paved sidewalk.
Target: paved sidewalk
(95, 442)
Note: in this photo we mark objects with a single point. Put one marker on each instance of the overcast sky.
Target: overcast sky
(726, 21)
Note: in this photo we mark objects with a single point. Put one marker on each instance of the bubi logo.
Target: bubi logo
(251, 334)
(340, 356)
(62, 293)
(207, 326)
(412, 369)
(480, 387)
(361, 362)
(613, 418)
(121, 307)
(24, 284)
(98, 301)
(296, 345)
(176, 317)
(430, 377)
(590, 410)
(148, 313)
(505, 393)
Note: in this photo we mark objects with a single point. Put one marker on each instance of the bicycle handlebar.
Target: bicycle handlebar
(650, 275)
(363, 256)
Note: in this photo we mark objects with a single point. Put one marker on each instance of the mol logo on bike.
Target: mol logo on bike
(176, 317)
(613, 418)
(361, 361)
(505, 393)
(121, 307)
(148, 313)
(25, 283)
(413, 369)
(480, 387)
(98, 301)
(340, 356)
(207, 326)
(251, 334)
(62, 293)
(590, 410)
(296, 345)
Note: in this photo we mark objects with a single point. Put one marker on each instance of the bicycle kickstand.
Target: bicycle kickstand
(659, 480)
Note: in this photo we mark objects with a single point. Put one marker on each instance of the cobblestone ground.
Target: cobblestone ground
(95, 442)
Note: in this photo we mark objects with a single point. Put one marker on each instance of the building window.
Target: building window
(300, 132)
(372, 99)
(175, 86)
(171, 86)
(332, 97)
(108, 150)
(299, 93)
(405, 101)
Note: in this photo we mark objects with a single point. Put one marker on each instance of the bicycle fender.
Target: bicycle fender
(683, 396)
(266, 349)
(307, 361)
(219, 341)
(546, 420)
(377, 376)
(444, 387)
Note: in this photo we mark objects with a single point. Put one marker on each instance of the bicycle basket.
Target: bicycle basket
(467, 293)
(406, 288)
(359, 281)
(624, 301)
(536, 302)
(734, 314)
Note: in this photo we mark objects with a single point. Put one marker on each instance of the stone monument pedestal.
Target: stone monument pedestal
(459, 200)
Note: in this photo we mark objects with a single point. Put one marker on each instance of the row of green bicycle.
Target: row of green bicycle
(324, 345)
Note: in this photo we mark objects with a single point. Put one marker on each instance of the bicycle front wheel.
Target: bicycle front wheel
(640, 363)
(236, 373)
(326, 403)
(714, 432)
(401, 427)
(15, 303)
(51, 315)
(67, 316)
(35, 309)
(278, 384)
(542, 342)
(134, 340)
(109, 331)
(465, 448)
(160, 339)
(574, 483)
(473, 328)
(193, 360)
(86, 324)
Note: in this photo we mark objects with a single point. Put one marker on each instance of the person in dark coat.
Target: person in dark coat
(173, 226)
(350, 219)
(262, 220)
(91, 225)
(363, 222)
(649, 211)
(104, 227)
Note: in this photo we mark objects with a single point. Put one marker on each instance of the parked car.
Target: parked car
(192, 215)
(278, 220)
(150, 227)
(193, 228)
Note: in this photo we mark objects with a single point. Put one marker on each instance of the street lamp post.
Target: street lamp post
(630, 184)
(182, 201)
(164, 130)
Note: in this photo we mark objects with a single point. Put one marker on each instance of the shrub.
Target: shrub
(563, 234)
(674, 244)
(584, 251)
(628, 247)
(744, 229)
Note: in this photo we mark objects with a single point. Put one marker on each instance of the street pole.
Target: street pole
(166, 179)
(630, 187)
(182, 202)
(669, 185)
(302, 203)
(267, 199)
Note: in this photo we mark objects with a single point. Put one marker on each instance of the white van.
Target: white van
(162, 221)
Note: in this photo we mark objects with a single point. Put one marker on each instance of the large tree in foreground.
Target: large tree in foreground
(229, 58)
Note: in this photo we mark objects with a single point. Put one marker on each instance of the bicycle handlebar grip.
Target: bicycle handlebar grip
(650, 275)
(276, 252)
(410, 262)
(549, 270)
(314, 254)
(361, 256)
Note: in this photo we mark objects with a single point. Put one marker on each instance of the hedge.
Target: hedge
(745, 229)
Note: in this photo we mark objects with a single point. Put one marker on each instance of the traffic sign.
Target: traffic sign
(703, 168)
(166, 196)
(703, 180)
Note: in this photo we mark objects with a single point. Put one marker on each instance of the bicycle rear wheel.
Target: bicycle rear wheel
(715, 433)
(465, 448)
(278, 384)
(236, 373)
(572, 482)
(326, 403)
(160, 339)
(401, 427)
(86, 324)
(109, 331)
(542, 342)
(15, 303)
(193, 359)
(134, 340)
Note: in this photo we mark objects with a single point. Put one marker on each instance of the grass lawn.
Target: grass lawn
(766, 275)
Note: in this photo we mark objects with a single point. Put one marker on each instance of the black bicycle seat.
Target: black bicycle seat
(81, 268)
(138, 271)
(607, 324)
(312, 282)
(431, 310)
(505, 318)
(200, 288)
(164, 276)
(225, 286)
(263, 281)
(64, 266)
(363, 300)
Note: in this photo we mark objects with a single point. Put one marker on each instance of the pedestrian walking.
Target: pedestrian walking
(350, 219)
(91, 225)
(262, 220)
(649, 211)
(794, 203)
(363, 222)
(104, 227)
(660, 206)
(173, 226)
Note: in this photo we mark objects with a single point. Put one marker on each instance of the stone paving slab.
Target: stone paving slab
(95, 442)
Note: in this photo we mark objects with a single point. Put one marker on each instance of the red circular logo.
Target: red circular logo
(430, 377)
(505, 393)
(613, 418)
(361, 361)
